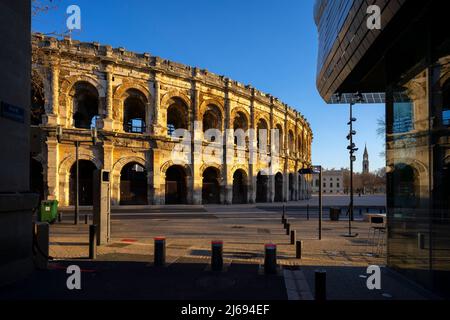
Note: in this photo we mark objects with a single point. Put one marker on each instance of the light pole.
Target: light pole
(317, 170)
(59, 137)
(352, 149)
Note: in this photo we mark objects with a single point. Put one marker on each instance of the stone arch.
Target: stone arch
(214, 106)
(174, 94)
(65, 98)
(64, 174)
(262, 120)
(118, 166)
(242, 110)
(122, 92)
(170, 163)
(67, 162)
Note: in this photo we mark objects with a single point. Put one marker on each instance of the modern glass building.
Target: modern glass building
(406, 65)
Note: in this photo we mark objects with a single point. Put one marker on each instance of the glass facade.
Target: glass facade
(330, 17)
(418, 186)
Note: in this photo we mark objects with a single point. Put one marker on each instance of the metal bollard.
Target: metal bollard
(92, 241)
(320, 281)
(284, 209)
(216, 255)
(293, 236)
(286, 222)
(298, 249)
(160, 252)
(288, 229)
(86, 219)
(59, 216)
(307, 212)
(270, 259)
(360, 211)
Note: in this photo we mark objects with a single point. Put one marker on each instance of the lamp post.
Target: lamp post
(317, 170)
(352, 149)
(59, 136)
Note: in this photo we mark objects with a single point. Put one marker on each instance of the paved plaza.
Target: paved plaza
(244, 229)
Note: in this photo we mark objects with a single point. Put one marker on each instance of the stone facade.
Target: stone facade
(332, 182)
(139, 99)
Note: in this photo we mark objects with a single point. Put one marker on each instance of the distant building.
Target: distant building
(332, 182)
(365, 164)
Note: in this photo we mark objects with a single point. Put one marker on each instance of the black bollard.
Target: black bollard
(360, 211)
(216, 255)
(298, 249)
(284, 209)
(270, 259)
(160, 252)
(59, 216)
(320, 285)
(293, 236)
(288, 229)
(307, 212)
(86, 219)
(92, 241)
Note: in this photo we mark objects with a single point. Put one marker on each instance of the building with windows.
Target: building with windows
(138, 103)
(404, 64)
(332, 182)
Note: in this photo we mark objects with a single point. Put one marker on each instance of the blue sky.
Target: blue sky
(271, 45)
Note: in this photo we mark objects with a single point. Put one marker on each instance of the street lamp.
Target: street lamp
(352, 149)
(316, 170)
(60, 138)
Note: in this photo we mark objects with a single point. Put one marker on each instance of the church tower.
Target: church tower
(365, 163)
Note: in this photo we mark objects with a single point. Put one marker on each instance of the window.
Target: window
(331, 185)
(338, 185)
(324, 185)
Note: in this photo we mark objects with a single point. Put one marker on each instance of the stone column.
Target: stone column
(108, 121)
(159, 179)
(52, 169)
(228, 152)
(196, 152)
(158, 126)
(253, 151)
(53, 108)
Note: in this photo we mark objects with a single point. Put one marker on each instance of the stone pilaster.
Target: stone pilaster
(52, 169)
(51, 117)
(108, 122)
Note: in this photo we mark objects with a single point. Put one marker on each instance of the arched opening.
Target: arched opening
(291, 143)
(176, 185)
(85, 182)
(278, 187)
(262, 133)
(37, 178)
(85, 105)
(134, 112)
(37, 100)
(279, 147)
(300, 146)
(291, 187)
(240, 122)
(177, 115)
(211, 186)
(133, 185)
(262, 187)
(239, 187)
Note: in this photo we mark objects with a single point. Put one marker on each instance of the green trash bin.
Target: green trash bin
(49, 211)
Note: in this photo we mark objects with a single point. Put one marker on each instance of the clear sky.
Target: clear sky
(271, 45)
